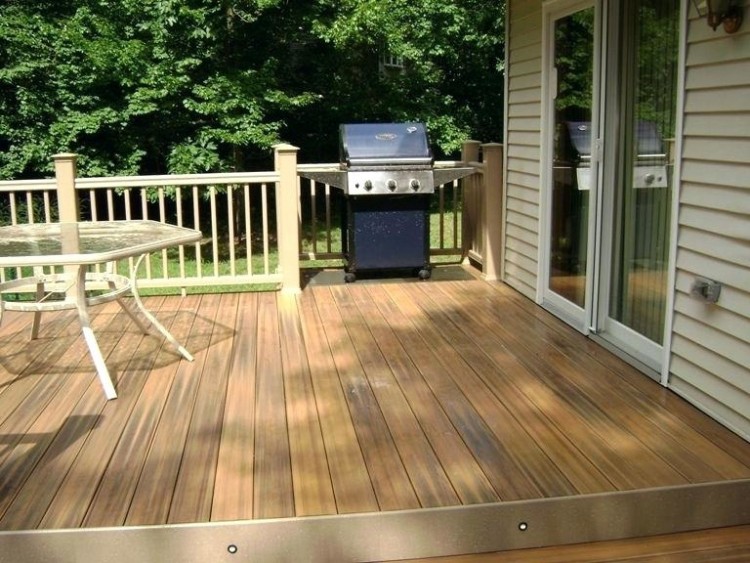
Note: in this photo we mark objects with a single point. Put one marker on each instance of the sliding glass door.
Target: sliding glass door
(609, 125)
(636, 226)
(570, 165)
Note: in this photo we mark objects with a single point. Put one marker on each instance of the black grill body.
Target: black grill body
(387, 233)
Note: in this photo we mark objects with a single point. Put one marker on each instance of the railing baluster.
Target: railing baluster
(144, 215)
(313, 215)
(264, 207)
(329, 237)
(230, 220)
(214, 230)
(456, 189)
(248, 231)
(13, 209)
(163, 219)
(126, 193)
(29, 207)
(197, 226)
(47, 207)
(110, 205)
(181, 248)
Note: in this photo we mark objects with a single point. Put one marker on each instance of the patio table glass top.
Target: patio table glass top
(49, 244)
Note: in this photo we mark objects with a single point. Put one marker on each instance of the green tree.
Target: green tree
(153, 86)
(452, 64)
(148, 86)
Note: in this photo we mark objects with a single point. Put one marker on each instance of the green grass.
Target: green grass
(257, 262)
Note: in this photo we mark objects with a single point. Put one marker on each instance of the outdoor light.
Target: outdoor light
(718, 12)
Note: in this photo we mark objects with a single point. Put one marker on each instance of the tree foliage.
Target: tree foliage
(153, 86)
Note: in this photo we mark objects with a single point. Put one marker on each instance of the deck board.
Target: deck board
(274, 492)
(554, 373)
(233, 494)
(657, 415)
(313, 490)
(109, 507)
(60, 448)
(193, 494)
(526, 471)
(350, 479)
(152, 497)
(343, 399)
(388, 475)
(455, 457)
(74, 494)
(726, 545)
(427, 476)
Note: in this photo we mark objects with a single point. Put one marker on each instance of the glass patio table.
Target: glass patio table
(76, 247)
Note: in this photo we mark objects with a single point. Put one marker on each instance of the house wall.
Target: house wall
(522, 142)
(710, 359)
(710, 344)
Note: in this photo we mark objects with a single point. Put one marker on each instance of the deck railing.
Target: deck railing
(259, 227)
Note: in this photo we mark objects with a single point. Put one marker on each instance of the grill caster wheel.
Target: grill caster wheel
(424, 274)
(350, 277)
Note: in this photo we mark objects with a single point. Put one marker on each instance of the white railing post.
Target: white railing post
(287, 203)
(68, 210)
(493, 210)
(67, 198)
(471, 203)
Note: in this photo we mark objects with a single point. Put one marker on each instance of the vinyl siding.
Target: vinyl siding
(710, 354)
(522, 145)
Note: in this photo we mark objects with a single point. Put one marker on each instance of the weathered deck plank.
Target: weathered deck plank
(74, 495)
(233, 493)
(659, 418)
(728, 545)
(152, 498)
(454, 456)
(350, 480)
(193, 493)
(110, 505)
(544, 367)
(313, 490)
(274, 491)
(84, 413)
(431, 484)
(388, 475)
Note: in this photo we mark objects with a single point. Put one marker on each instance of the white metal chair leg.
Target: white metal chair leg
(152, 319)
(88, 335)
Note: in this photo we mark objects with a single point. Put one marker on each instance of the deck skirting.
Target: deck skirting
(404, 534)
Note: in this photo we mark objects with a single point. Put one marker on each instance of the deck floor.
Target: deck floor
(343, 399)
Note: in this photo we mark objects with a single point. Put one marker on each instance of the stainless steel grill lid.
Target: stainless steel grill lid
(379, 144)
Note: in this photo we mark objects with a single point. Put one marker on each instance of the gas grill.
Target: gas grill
(387, 176)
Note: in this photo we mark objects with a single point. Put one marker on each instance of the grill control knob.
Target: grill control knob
(368, 185)
(391, 185)
(415, 185)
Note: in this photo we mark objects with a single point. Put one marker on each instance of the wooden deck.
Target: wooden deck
(345, 399)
